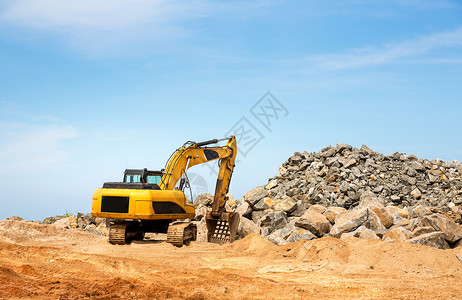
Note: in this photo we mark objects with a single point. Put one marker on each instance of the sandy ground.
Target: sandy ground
(42, 262)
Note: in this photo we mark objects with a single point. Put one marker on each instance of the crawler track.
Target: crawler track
(180, 234)
(118, 234)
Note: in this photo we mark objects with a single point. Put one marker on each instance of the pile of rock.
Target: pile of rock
(344, 191)
(80, 221)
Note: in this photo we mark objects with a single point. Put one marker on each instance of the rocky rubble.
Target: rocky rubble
(344, 191)
(80, 221)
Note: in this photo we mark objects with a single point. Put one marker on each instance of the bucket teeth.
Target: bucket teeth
(222, 233)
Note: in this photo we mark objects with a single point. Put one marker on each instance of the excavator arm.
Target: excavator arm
(221, 225)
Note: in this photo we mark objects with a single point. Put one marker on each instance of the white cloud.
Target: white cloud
(98, 15)
(376, 56)
(26, 146)
(96, 26)
(106, 26)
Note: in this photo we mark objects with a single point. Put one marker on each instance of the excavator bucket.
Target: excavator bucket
(222, 230)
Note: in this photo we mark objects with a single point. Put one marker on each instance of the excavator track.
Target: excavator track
(118, 234)
(179, 234)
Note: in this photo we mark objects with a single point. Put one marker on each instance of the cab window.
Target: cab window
(132, 178)
(153, 179)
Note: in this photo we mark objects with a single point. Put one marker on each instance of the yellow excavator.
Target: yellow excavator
(154, 201)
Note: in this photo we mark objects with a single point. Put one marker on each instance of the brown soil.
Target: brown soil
(42, 262)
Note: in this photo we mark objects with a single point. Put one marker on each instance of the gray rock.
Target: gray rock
(286, 231)
(92, 229)
(274, 220)
(299, 209)
(344, 187)
(434, 239)
(261, 205)
(329, 152)
(51, 220)
(342, 146)
(300, 234)
(417, 166)
(258, 214)
(451, 230)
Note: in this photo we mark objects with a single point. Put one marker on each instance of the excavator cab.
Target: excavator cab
(142, 176)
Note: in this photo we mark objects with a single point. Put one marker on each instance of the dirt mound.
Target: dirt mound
(252, 243)
(351, 254)
(404, 257)
(326, 249)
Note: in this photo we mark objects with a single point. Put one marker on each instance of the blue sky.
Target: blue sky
(92, 87)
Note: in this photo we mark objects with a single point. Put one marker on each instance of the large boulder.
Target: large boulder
(92, 229)
(348, 221)
(299, 209)
(422, 230)
(434, 239)
(386, 218)
(255, 195)
(314, 222)
(395, 213)
(247, 227)
(376, 210)
(419, 211)
(300, 234)
(451, 230)
(373, 221)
